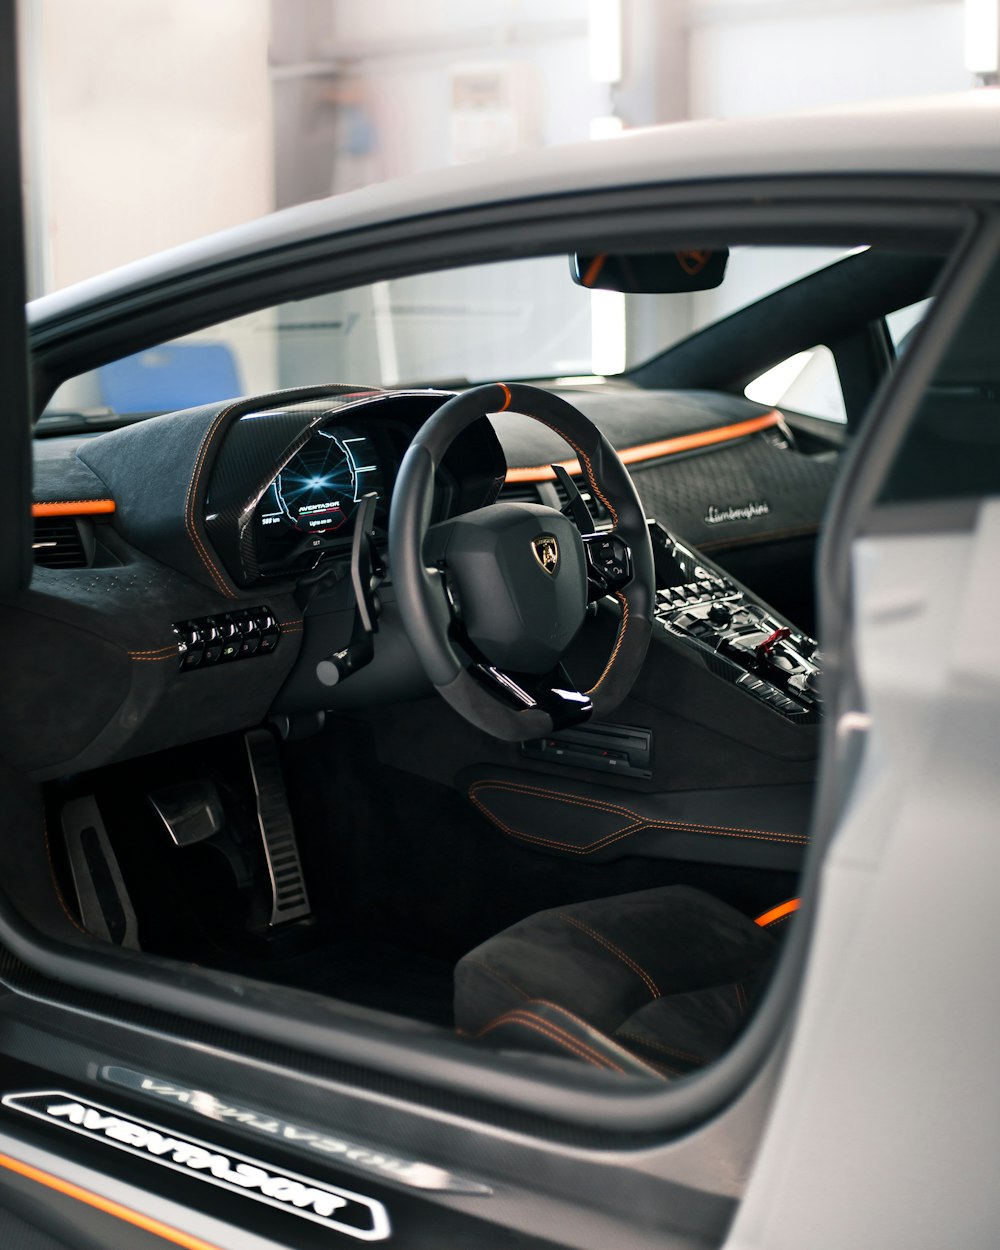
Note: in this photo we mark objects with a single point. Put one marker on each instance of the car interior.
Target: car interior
(405, 647)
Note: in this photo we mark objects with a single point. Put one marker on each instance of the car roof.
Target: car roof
(948, 136)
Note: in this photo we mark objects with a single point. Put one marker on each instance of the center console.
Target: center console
(737, 636)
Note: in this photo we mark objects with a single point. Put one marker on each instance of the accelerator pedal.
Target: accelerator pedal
(105, 907)
(289, 899)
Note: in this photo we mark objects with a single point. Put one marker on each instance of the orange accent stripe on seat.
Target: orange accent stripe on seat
(662, 447)
(73, 507)
(136, 1218)
(778, 913)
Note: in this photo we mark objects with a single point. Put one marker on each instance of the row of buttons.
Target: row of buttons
(769, 694)
(674, 596)
(609, 558)
(231, 636)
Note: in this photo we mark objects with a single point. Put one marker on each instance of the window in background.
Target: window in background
(807, 382)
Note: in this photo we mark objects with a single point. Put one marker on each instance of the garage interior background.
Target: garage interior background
(238, 107)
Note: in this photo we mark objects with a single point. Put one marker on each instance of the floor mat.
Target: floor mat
(381, 976)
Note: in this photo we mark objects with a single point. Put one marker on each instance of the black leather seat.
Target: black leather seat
(658, 982)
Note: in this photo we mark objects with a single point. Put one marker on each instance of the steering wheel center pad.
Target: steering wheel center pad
(423, 603)
(521, 577)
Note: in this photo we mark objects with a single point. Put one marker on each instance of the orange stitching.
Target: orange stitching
(579, 800)
(618, 644)
(638, 828)
(192, 490)
(555, 1034)
(637, 819)
(476, 963)
(600, 805)
(668, 1050)
(545, 1002)
(170, 649)
(615, 950)
(153, 659)
(189, 502)
(588, 468)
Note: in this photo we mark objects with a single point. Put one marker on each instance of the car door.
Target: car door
(889, 1109)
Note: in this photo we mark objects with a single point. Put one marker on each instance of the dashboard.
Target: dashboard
(286, 484)
(227, 530)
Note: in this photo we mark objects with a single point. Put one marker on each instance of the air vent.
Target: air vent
(58, 543)
(596, 508)
(552, 493)
(519, 492)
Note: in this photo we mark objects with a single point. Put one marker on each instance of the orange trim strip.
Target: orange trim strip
(145, 1222)
(73, 507)
(663, 447)
(778, 913)
(506, 391)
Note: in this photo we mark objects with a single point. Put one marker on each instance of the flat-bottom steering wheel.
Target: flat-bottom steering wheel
(492, 600)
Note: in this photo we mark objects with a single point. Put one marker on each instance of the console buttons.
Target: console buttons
(211, 640)
(191, 659)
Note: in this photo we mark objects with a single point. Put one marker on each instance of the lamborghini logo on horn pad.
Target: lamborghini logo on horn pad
(546, 551)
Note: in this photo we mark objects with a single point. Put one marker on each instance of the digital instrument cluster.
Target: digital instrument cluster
(311, 504)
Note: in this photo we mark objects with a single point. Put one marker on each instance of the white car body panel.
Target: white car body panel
(886, 1128)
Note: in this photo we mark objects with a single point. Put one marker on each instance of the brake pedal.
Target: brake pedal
(289, 898)
(105, 907)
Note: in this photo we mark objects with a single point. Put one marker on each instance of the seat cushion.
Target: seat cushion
(668, 975)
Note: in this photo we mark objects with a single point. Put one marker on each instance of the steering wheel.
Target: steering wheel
(492, 600)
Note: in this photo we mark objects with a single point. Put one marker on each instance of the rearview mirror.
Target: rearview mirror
(650, 273)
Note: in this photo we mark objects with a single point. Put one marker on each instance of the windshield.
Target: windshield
(513, 319)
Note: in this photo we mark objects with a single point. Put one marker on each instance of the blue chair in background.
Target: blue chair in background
(176, 375)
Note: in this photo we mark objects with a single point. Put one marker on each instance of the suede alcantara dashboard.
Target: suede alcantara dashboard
(193, 579)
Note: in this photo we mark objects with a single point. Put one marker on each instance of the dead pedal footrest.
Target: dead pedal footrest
(289, 899)
(105, 907)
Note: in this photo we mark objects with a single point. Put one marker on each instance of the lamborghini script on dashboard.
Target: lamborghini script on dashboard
(334, 1208)
(742, 512)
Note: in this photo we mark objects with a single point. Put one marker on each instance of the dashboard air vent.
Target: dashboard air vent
(552, 493)
(58, 543)
(597, 509)
(519, 492)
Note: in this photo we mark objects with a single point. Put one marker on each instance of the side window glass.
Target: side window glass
(807, 382)
(952, 449)
(901, 324)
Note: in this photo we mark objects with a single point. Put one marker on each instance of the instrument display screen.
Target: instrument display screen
(311, 503)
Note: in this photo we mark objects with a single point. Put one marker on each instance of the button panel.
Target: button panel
(609, 562)
(770, 660)
(238, 635)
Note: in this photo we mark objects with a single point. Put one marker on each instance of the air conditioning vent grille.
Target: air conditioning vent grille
(519, 492)
(527, 492)
(596, 508)
(58, 543)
